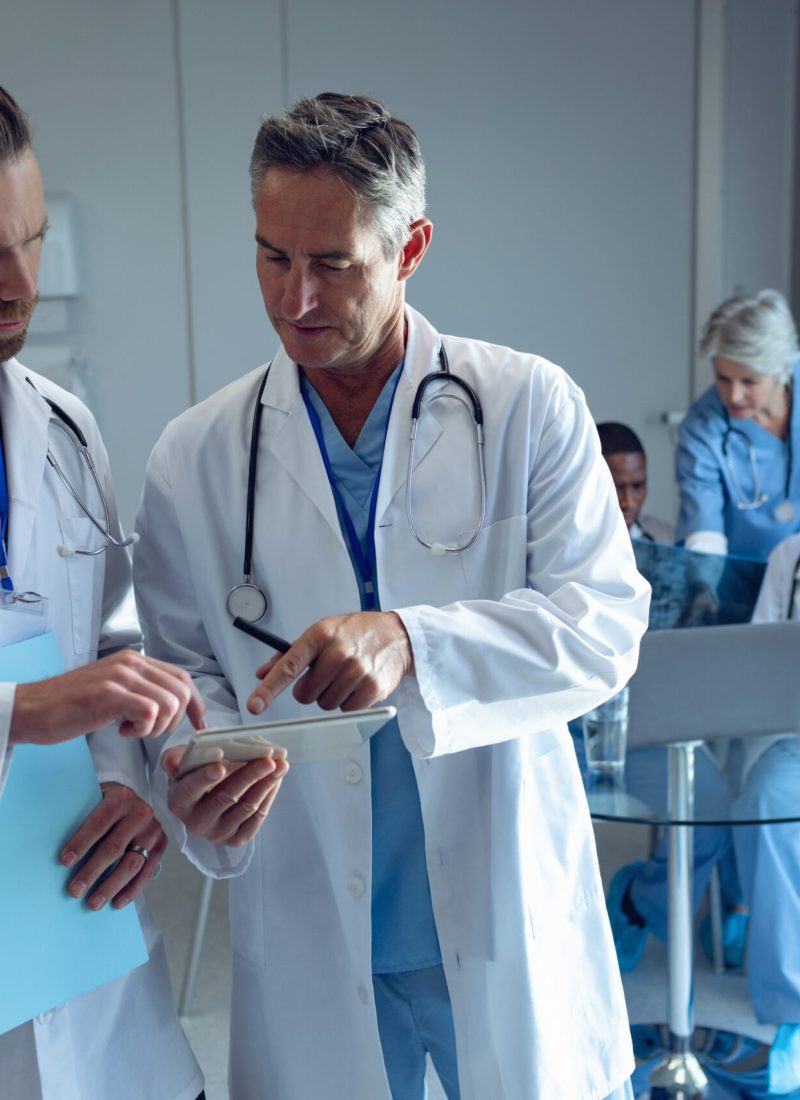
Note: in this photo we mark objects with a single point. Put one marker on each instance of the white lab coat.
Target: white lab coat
(123, 1039)
(772, 606)
(535, 624)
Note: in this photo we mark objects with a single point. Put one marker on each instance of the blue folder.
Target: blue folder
(53, 947)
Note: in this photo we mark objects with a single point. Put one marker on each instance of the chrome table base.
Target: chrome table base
(716, 1065)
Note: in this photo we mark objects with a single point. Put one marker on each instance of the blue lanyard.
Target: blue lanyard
(366, 565)
(5, 580)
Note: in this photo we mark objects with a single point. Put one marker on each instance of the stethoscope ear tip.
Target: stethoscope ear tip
(67, 551)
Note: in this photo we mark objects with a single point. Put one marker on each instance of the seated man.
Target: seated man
(625, 458)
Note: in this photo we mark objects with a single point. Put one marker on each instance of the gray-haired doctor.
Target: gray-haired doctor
(435, 891)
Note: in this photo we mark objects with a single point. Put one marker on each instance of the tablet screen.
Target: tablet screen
(307, 739)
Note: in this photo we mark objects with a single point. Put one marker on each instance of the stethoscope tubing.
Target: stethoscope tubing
(252, 470)
(759, 498)
(67, 426)
(443, 374)
(474, 405)
(793, 589)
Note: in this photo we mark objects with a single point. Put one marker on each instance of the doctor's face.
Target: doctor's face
(22, 226)
(332, 296)
(744, 392)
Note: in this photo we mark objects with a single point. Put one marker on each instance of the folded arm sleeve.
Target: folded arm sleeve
(7, 692)
(490, 670)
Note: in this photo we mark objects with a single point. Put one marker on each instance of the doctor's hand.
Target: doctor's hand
(104, 839)
(225, 802)
(147, 697)
(347, 661)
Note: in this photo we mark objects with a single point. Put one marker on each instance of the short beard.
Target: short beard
(12, 311)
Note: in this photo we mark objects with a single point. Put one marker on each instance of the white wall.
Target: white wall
(559, 136)
(760, 104)
(98, 81)
(558, 139)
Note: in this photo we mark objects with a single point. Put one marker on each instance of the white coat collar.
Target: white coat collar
(25, 416)
(289, 436)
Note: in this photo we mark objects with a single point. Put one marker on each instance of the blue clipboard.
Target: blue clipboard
(53, 947)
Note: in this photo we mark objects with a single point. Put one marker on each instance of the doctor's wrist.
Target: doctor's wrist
(403, 637)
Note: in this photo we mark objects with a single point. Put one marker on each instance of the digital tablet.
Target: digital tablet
(298, 740)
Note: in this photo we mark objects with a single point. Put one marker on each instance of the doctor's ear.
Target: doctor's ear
(419, 237)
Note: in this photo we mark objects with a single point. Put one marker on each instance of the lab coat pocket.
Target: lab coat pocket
(558, 843)
(247, 916)
(84, 579)
(496, 562)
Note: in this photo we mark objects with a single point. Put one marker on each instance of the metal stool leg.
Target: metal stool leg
(680, 1072)
(198, 934)
(715, 913)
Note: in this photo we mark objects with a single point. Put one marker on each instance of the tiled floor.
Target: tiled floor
(720, 1000)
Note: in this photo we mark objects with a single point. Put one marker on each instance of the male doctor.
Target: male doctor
(435, 891)
(122, 1039)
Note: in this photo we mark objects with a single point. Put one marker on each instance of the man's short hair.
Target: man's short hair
(618, 439)
(15, 133)
(378, 157)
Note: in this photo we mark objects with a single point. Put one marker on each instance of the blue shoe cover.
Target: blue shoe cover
(629, 939)
(734, 939)
(784, 1060)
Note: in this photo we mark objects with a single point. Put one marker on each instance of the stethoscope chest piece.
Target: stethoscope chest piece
(785, 512)
(247, 601)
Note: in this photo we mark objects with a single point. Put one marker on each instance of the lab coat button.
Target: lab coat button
(45, 1017)
(355, 886)
(363, 994)
(353, 773)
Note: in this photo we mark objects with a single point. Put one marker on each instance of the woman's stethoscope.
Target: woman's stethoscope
(70, 430)
(793, 589)
(785, 512)
(248, 601)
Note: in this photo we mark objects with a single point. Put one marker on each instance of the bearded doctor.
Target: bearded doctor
(435, 891)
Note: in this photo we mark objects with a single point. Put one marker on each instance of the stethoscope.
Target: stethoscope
(248, 600)
(70, 430)
(793, 589)
(784, 512)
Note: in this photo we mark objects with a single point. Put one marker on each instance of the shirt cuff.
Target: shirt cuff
(119, 760)
(707, 542)
(7, 692)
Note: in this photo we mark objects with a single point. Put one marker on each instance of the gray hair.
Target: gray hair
(377, 157)
(15, 133)
(757, 332)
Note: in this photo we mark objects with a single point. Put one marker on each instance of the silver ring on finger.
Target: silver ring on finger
(140, 850)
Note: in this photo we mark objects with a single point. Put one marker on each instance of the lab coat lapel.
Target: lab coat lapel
(422, 351)
(287, 433)
(26, 416)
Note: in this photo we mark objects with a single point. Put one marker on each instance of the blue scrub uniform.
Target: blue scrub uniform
(411, 996)
(646, 779)
(711, 485)
(768, 861)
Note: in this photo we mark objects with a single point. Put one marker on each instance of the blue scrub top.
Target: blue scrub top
(708, 492)
(404, 933)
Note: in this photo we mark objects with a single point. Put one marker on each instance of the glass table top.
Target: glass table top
(610, 800)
